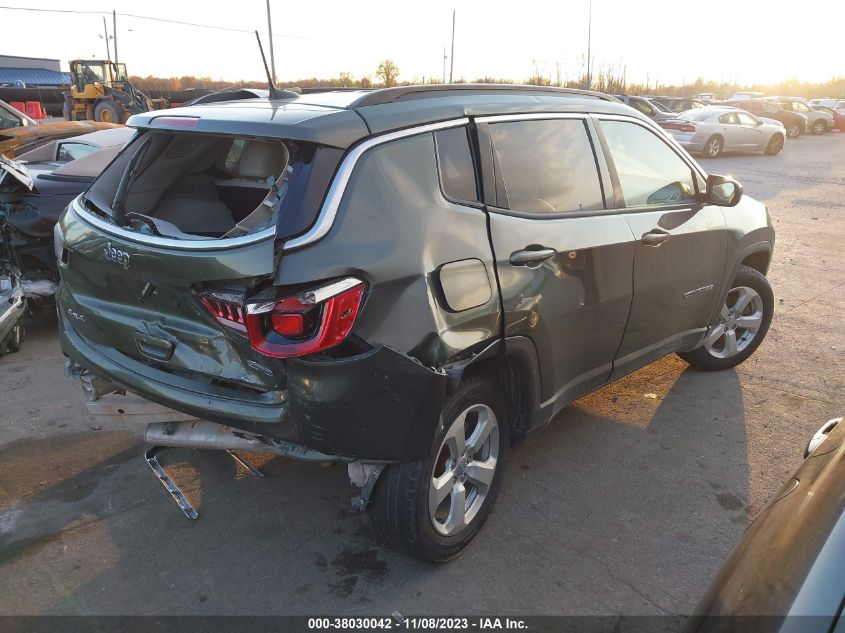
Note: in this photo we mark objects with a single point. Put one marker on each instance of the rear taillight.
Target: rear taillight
(309, 322)
(681, 127)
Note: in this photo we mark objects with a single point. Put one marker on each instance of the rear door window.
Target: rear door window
(455, 164)
(547, 166)
(649, 171)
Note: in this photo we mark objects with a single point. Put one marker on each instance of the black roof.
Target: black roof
(340, 118)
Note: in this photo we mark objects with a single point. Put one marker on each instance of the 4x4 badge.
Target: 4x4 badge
(116, 255)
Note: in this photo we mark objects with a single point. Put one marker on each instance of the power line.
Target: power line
(152, 19)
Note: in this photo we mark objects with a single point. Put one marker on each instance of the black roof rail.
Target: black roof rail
(407, 93)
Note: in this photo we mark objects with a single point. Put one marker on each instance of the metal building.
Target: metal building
(31, 71)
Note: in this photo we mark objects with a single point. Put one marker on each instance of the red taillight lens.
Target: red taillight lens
(310, 322)
(682, 127)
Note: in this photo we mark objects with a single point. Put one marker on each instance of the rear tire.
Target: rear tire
(713, 147)
(13, 340)
(775, 145)
(401, 511)
(107, 112)
(744, 320)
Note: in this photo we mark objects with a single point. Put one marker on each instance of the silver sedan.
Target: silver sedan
(716, 129)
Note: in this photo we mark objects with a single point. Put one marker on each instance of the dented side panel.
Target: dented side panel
(395, 229)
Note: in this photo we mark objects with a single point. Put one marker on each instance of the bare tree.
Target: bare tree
(388, 72)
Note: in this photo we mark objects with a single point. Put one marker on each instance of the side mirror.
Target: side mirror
(723, 191)
(759, 122)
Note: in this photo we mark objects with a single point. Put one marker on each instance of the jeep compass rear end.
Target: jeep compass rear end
(404, 280)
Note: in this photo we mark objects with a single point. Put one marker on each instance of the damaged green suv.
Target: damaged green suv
(406, 280)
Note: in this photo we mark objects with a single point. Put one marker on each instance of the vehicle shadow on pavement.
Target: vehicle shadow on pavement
(625, 504)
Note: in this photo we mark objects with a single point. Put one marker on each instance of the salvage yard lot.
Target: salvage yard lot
(626, 504)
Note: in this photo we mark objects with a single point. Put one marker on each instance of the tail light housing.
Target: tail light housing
(681, 127)
(226, 309)
(305, 323)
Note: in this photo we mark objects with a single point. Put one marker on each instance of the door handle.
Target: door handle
(655, 237)
(529, 256)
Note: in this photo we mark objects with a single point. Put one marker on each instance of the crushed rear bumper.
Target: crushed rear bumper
(378, 406)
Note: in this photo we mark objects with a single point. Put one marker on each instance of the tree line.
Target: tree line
(609, 79)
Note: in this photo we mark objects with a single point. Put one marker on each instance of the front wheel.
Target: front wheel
(819, 127)
(433, 508)
(794, 130)
(775, 145)
(741, 325)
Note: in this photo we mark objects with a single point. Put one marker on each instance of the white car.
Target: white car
(836, 104)
(716, 129)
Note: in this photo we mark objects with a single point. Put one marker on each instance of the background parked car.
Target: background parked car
(680, 104)
(836, 104)
(794, 122)
(716, 129)
(789, 562)
(19, 140)
(645, 106)
(838, 116)
(33, 195)
(12, 117)
(819, 122)
(742, 95)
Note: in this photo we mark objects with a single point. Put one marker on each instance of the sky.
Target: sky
(747, 41)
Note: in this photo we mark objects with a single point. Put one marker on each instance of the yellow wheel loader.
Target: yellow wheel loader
(101, 91)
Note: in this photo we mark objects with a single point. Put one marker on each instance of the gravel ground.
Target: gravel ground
(626, 504)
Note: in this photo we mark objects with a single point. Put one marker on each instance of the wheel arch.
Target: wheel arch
(513, 364)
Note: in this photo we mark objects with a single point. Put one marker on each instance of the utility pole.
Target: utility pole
(270, 31)
(452, 58)
(106, 35)
(589, 47)
(444, 64)
(114, 30)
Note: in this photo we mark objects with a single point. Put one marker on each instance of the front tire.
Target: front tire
(775, 145)
(432, 509)
(107, 112)
(713, 147)
(794, 130)
(741, 325)
(819, 127)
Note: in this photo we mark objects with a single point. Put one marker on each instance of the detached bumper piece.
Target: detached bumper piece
(151, 457)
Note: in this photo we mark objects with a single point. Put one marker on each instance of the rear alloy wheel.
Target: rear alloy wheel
(819, 127)
(742, 324)
(713, 147)
(432, 509)
(794, 130)
(775, 145)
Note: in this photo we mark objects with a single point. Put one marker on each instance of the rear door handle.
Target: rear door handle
(528, 256)
(655, 237)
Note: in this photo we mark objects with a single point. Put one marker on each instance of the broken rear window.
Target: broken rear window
(197, 186)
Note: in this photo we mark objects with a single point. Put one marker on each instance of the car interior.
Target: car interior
(190, 185)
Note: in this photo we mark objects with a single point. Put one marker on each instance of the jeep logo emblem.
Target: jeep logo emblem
(116, 255)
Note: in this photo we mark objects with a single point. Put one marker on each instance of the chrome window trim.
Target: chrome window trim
(325, 218)
(165, 242)
(531, 116)
(328, 212)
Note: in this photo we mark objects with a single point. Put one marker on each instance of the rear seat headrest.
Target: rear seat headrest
(260, 159)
